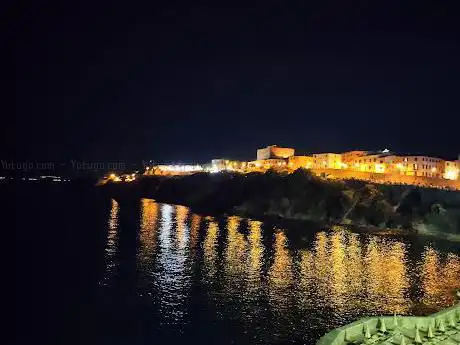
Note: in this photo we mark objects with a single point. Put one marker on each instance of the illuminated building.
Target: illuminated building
(418, 166)
(366, 161)
(274, 152)
(265, 164)
(375, 163)
(350, 159)
(296, 162)
(177, 169)
(451, 170)
(458, 167)
(226, 164)
(327, 161)
(271, 157)
(380, 166)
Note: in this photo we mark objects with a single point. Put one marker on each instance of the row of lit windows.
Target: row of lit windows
(424, 159)
(368, 160)
(422, 166)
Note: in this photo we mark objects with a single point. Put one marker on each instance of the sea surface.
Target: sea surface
(90, 269)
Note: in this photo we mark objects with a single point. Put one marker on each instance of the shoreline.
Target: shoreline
(292, 223)
(297, 200)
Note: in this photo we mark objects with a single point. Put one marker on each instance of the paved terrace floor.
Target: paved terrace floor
(442, 328)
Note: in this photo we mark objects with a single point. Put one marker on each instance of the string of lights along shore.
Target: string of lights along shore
(382, 166)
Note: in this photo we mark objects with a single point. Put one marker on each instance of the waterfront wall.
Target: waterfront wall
(389, 178)
(356, 331)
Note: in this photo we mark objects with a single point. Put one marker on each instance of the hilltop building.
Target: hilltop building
(416, 165)
(350, 159)
(265, 164)
(451, 170)
(274, 152)
(271, 157)
(296, 162)
(380, 166)
(327, 161)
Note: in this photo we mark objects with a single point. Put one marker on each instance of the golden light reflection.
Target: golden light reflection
(113, 219)
(355, 265)
(321, 266)
(340, 272)
(396, 276)
(172, 277)
(111, 244)
(343, 273)
(235, 253)
(280, 275)
(269, 283)
(210, 249)
(306, 291)
(148, 230)
(235, 262)
(194, 230)
(256, 251)
(386, 278)
(181, 226)
(437, 276)
(373, 275)
(149, 213)
(337, 270)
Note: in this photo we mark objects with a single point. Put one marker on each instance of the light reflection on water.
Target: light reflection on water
(172, 280)
(248, 278)
(111, 261)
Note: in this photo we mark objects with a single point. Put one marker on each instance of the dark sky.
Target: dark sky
(110, 80)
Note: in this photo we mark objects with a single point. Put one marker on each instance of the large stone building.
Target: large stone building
(274, 152)
(451, 170)
(350, 159)
(265, 164)
(381, 165)
(366, 161)
(296, 162)
(415, 165)
(327, 161)
(375, 163)
(458, 167)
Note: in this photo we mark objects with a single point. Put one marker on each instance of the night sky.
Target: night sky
(114, 81)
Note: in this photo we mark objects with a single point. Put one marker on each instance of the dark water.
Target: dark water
(93, 270)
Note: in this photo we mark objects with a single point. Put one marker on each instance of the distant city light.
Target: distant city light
(180, 168)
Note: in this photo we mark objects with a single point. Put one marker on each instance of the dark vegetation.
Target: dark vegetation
(302, 196)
